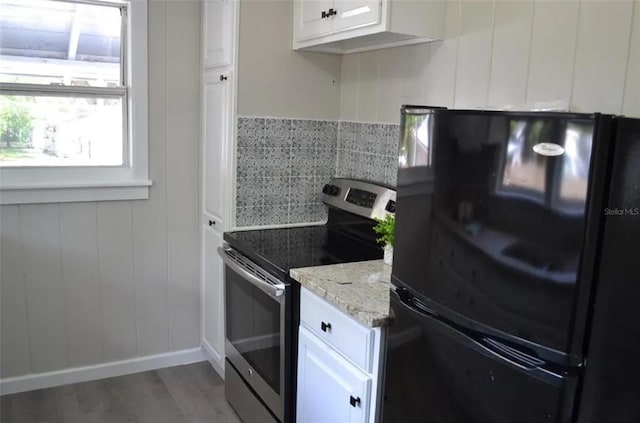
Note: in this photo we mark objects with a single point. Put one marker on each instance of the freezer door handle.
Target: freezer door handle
(483, 345)
(508, 353)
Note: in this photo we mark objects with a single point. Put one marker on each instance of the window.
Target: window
(73, 100)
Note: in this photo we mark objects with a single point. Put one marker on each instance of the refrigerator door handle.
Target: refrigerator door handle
(508, 353)
(483, 345)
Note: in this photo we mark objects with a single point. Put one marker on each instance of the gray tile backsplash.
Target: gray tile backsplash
(282, 166)
(368, 151)
(284, 163)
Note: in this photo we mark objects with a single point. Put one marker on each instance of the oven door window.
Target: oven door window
(253, 327)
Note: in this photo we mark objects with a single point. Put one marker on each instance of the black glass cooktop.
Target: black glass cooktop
(279, 250)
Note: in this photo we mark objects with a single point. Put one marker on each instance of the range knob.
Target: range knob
(331, 190)
(391, 206)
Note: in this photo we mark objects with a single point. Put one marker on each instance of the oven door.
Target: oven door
(255, 327)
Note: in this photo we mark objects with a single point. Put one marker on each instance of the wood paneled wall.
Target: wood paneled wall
(88, 283)
(507, 53)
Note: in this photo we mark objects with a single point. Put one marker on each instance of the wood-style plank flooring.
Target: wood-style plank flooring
(192, 393)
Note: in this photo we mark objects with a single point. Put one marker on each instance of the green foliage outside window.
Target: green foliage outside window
(16, 124)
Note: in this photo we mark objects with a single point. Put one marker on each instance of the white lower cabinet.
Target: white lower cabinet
(330, 389)
(339, 365)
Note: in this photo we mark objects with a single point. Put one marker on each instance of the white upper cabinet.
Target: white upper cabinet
(217, 42)
(311, 22)
(352, 26)
(350, 14)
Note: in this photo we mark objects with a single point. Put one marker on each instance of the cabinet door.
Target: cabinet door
(216, 142)
(355, 14)
(217, 31)
(213, 291)
(309, 22)
(330, 389)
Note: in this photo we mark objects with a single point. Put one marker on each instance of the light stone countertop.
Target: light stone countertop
(359, 289)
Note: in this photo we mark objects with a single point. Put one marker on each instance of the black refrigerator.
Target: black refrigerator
(516, 274)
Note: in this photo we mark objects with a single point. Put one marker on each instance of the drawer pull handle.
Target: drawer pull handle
(354, 401)
(325, 326)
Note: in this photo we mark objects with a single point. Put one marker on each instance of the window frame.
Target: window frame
(23, 185)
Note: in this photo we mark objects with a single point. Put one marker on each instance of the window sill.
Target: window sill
(74, 192)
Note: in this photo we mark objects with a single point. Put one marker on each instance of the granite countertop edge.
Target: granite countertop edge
(359, 289)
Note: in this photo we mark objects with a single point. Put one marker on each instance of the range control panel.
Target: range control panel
(364, 198)
(361, 198)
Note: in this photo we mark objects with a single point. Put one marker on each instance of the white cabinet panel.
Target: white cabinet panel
(330, 389)
(310, 22)
(355, 14)
(213, 292)
(216, 137)
(217, 33)
(217, 115)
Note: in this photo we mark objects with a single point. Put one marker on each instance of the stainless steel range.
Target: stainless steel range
(262, 301)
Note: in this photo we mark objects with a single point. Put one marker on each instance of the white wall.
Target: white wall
(506, 52)
(274, 80)
(87, 283)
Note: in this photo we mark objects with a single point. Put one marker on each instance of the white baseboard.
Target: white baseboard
(100, 371)
(215, 358)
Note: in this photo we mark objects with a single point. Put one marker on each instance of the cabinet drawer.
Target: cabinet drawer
(339, 330)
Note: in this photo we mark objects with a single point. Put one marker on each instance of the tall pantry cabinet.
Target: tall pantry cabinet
(218, 95)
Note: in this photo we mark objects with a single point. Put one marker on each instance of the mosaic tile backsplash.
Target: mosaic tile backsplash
(282, 166)
(284, 163)
(368, 151)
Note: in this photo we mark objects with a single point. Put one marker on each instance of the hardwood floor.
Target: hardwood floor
(192, 393)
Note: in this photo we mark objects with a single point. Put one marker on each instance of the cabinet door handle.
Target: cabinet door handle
(324, 14)
(354, 401)
(332, 12)
(212, 223)
(325, 326)
(223, 78)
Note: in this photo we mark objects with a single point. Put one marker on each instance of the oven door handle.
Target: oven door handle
(275, 290)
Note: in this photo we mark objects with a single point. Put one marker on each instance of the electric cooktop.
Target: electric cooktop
(347, 236)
